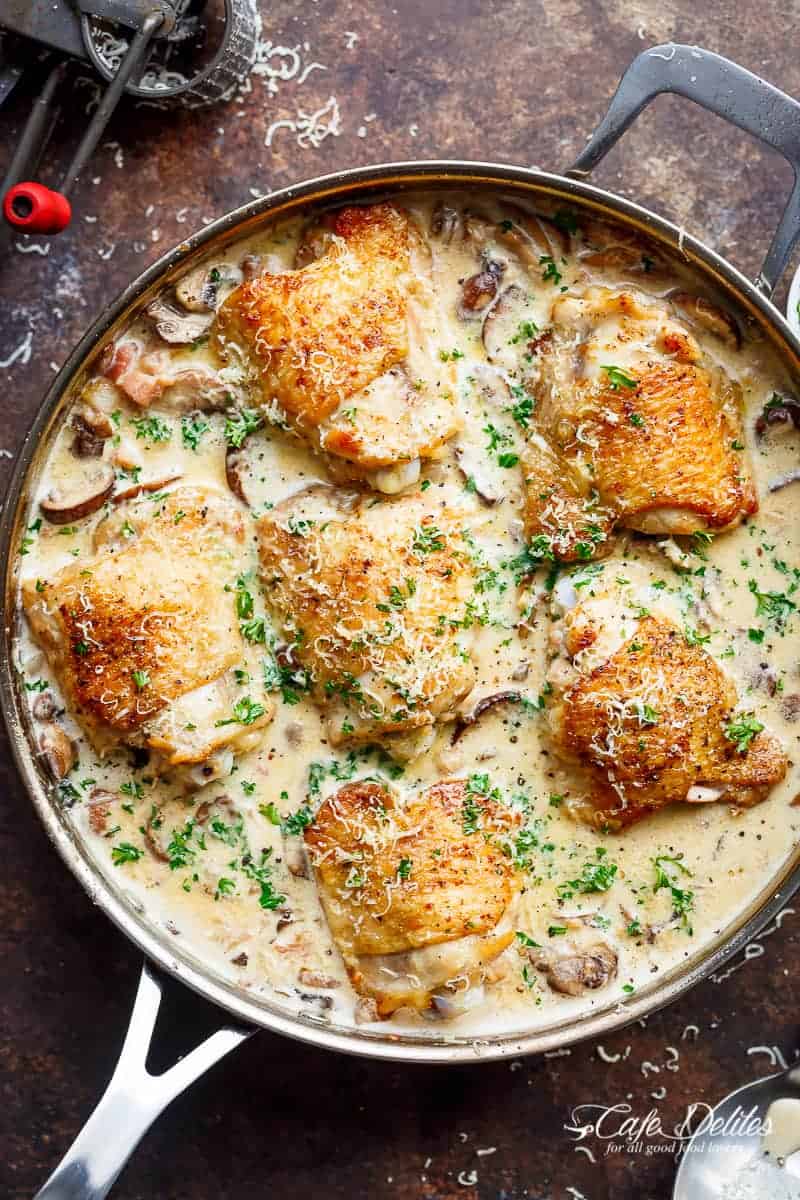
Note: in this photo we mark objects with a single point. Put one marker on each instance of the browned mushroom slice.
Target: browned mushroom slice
(480, 289)
(144, 486)
(708, 316)
(529, 237)
(177, 328)
(508, 325)
(197, 291)
(83, 498)
(57, 749)
(235, 471)
(486, 703)
(92, 429)
(782, 411)
(574, 974)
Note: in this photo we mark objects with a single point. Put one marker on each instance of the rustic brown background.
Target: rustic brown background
(517, 80)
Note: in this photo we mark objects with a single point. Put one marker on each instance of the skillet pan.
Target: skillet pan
(134, 1098)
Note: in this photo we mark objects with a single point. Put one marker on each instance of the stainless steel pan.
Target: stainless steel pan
(134, 1098)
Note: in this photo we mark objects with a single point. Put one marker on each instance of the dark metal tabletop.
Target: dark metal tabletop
(343, 83)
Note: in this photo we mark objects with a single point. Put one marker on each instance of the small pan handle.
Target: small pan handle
(132, 1100)
(723, 88)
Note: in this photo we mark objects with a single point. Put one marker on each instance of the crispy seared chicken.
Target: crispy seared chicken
(344, 348)
(418, 897)
(144, 638)
(371, 598)
(647, 715)
(632, 425)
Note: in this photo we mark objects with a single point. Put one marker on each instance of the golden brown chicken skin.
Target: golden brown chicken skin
(143, 636)
(372, 599)
(653, 721)
(344, 349)
(633, 425)
(417, 897)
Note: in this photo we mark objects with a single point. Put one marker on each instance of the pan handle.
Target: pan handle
(723, 88)
(132, 1100)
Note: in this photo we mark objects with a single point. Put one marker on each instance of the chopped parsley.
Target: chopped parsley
(125, 853)
(240, 424)
(619, 378)
(597, 876)
(245, 712)
(193, 426)
(428, 539)
(741, 731)
(775, 606)
(668, 869)
(141, 679)
(551, 273)
(152, 429)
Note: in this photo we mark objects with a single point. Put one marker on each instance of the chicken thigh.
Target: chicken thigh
(633, 424)
(344, 350)
(648, 717)
(418, 897)
(144, 638)
(372, 599)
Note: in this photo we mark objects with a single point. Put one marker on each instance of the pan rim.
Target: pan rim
(349, 184)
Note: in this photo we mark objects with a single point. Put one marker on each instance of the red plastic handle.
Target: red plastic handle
(33, 208)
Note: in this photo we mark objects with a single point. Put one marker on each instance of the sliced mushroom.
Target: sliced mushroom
(241, 960)
(509, 327)
(575, 974)
(197, 290)
(92, 430)
(480, 289)
(709, 316)
(779, 410)
(144, 485)
(58, 749)
(483, 705)
(150, 838)
(85, 496)
(235, 463)
(473, 466)
(790, 707)
(529, 237)
(445, 223)
(179, 329)
(624, 259)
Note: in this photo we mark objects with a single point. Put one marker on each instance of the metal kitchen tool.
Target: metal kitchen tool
(194, 51)
(724, 1160)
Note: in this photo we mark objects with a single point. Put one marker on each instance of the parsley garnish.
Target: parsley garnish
(125, 853)
(619, 378)
(741, 731)
(240, 424)
(668, 868)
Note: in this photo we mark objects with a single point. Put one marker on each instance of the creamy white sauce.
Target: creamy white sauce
(730, 855)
